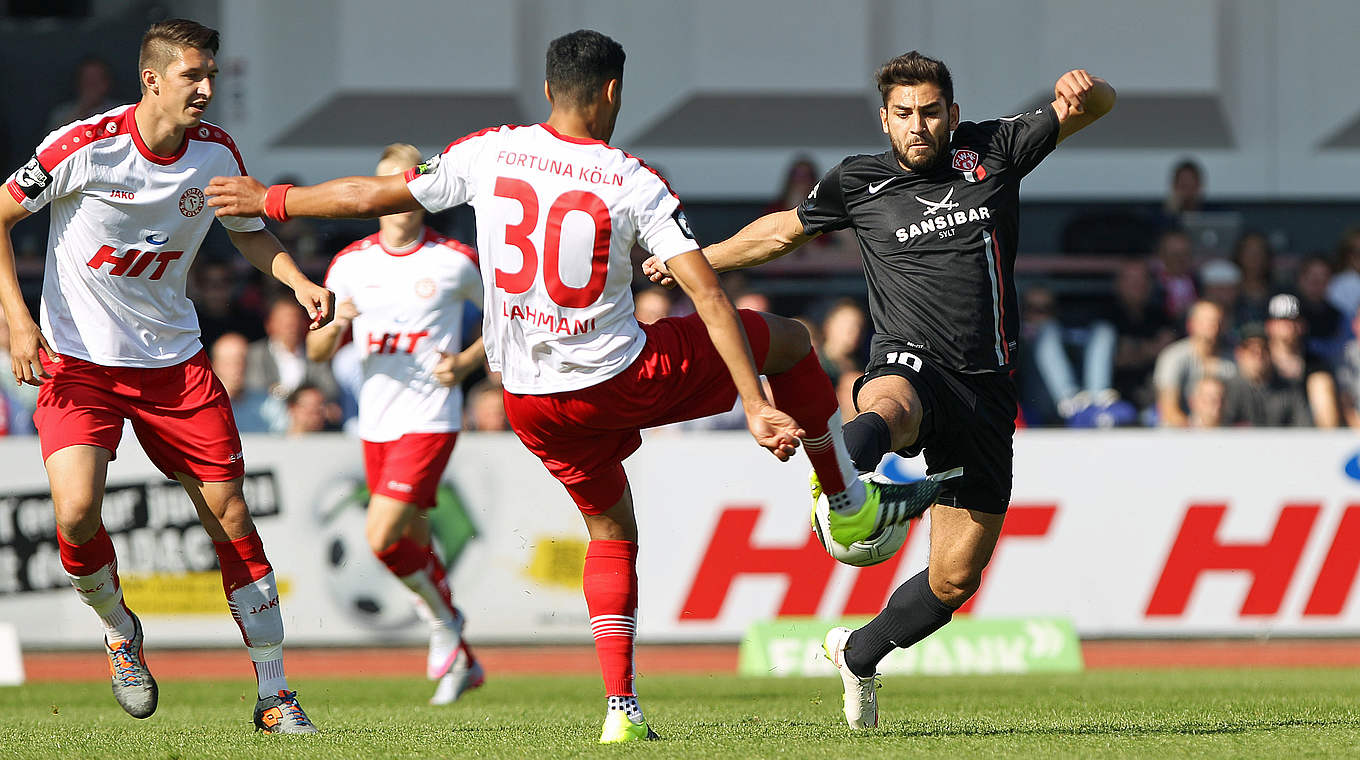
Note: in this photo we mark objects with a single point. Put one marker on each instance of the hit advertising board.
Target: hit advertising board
(1126, 533)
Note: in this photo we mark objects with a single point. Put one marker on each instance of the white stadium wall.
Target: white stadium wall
(1126, 533)
(721, 93)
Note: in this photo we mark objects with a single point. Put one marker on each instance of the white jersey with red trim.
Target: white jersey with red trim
(410, 305)
(126, 225)
(557, 218)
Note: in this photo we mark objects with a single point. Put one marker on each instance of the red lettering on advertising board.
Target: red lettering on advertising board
(1337, 576)
(1197, 550)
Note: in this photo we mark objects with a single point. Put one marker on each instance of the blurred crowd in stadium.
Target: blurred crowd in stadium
(1210, 327)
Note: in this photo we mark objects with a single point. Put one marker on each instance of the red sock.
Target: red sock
(611, 587)
(404, 557)
(87, 558)
(805, 393)
(242, 561)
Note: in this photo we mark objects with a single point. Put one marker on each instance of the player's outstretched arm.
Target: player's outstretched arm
(25, 339)
(453, 369)
(772, 429)
(323, 342)
(265, 253)
(344, 198)
(1079, 99)
(765, 239)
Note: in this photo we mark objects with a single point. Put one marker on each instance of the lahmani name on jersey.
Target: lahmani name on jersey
(547, 320)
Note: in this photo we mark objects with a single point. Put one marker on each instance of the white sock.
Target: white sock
(269, 677)
(852, 498)
(430, 603)
(102, 592)
(630, 707)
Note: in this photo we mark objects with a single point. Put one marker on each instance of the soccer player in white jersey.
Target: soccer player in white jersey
(119, 341)
(558, 211)
(400, 294)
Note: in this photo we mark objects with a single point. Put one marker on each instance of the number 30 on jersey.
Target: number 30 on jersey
(517, 235)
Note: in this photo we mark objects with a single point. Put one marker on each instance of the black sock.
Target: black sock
(913, 613)
(867, 438)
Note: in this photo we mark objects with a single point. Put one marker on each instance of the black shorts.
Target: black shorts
(968, 421)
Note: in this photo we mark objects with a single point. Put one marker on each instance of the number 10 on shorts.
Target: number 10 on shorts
(904, 357)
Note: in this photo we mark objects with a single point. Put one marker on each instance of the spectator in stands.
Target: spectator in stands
(485, 408)
(1296, 366)
(277, 364)
(93, 88)
(1348, 376)
(1186, 192)
(250, 407)
(1181, 364)
(1256, 396)
(308, 410)
(842, 339)
(652, 304)
(1173, 265)
(1206, 403)
(1343, 291)
(1089, 402)
(799, 179)
(1221, 281)
(214, 300)
(1255, 260)
(1143, 330)
(1324, 325)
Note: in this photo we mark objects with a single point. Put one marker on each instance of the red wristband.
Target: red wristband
(274, 200)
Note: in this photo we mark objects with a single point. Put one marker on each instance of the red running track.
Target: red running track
(200, 664)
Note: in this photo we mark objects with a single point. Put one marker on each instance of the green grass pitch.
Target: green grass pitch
(1164, 714)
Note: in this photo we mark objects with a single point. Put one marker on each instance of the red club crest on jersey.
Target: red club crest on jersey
(965, 160)
(191, 202)
(425, 287)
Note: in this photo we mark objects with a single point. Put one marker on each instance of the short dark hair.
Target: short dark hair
(1187, 165)
(580, 63)
(911, 69)
(164, 40)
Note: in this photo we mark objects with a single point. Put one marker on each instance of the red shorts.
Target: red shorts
(583, 436)
(409, 468)
(181, 414)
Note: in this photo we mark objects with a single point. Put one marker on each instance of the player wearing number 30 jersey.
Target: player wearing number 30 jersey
(558, 212)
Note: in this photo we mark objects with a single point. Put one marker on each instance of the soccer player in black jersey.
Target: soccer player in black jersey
(937, 218)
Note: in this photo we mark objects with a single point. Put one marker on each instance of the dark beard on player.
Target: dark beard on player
(919, 163)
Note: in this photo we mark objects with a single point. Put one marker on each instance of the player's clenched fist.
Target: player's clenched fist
(1071, 90)
(236, 196)
(656, 271)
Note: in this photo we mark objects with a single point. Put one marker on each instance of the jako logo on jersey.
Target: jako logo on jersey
(191, 202)
(125, 195)
(425, 287)
(153, 240)
(399, 486)
(269, 605)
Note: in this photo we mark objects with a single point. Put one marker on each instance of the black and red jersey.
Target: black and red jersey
(939, 246)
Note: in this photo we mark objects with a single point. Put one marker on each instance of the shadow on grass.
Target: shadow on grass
(1192, 728)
